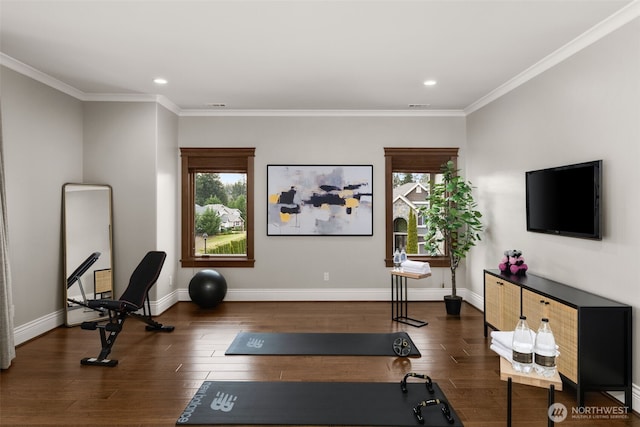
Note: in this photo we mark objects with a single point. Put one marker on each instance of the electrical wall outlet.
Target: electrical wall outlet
(170, 280)
(326, 276)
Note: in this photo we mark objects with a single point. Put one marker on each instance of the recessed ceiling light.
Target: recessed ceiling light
(160, 81)
(216, 105)
(430, 82)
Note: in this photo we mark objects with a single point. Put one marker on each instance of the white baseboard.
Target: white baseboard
(30, 330)
(323, 294)
(635, 397)
(472, 298)
(160, 306)
(37, 327)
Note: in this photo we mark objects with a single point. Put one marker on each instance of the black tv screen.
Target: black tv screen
(565, 200)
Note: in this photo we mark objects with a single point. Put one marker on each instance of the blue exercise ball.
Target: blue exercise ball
(207, 288)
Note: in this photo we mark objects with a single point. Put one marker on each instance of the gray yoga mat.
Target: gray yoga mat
(319, 344)
(302, 403)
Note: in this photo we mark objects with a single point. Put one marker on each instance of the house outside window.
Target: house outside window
(408, 198)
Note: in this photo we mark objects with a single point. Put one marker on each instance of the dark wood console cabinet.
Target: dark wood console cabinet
(593, 333)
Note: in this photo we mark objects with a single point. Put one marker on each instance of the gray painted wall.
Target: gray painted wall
(42, 143)
(120, 150)
(585, 108)
(293, 263)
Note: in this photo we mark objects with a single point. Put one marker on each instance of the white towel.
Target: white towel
(415, 267)
(503, 340)
(502, 352)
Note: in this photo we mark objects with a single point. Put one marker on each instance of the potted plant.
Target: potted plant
(453, 224)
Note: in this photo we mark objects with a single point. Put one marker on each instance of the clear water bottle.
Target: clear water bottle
(545, 350)
(522, 346)
(403, 257)
(396, 260)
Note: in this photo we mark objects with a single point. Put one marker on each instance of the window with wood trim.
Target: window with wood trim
(200, 223)
(423, 165)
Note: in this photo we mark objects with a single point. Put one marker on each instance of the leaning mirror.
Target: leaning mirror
(88, 267)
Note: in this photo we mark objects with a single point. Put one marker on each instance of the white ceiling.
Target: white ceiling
(301, 55)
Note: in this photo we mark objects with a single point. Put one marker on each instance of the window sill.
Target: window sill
(206, 262)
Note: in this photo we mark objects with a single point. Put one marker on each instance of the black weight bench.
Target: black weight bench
(133, 299)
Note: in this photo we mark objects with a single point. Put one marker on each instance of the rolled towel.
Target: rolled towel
(415, 267)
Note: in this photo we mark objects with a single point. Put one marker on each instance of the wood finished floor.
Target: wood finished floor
(158, 373)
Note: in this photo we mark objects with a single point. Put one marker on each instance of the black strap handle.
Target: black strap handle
(446, 412)
(429, 384)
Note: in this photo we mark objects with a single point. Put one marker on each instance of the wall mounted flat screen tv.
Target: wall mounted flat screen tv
(565, 200)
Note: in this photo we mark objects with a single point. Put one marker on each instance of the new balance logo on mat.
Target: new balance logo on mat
(223, 402)
(255, 343)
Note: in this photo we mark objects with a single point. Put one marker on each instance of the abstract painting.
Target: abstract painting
(320, 200)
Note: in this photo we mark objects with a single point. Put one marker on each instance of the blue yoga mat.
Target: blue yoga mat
(319, 344)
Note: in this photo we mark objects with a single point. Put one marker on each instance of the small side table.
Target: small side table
(399, 297)
(507, 373)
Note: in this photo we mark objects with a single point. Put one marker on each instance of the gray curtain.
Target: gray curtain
(7, 344)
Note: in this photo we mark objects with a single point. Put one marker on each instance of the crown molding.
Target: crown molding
(168, 104)
(321, 113)
(134, 97)
(595, 33)
(29, 71)
(120, 97)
